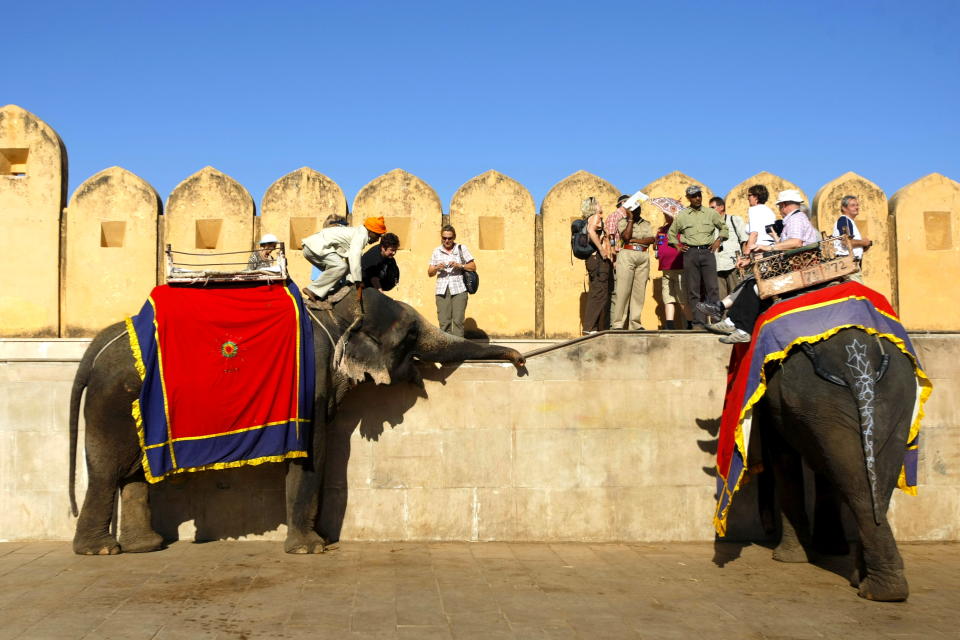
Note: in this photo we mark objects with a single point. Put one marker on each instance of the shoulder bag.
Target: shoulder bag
(471, 280)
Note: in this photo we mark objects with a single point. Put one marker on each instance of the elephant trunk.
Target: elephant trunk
(437, 346)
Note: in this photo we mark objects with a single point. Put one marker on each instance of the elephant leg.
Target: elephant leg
(788, 474)
(828, 535)
(93, 535)
(303, 502)
(136, 532)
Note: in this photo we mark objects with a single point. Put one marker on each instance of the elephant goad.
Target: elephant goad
(846, 406)
(379, 341)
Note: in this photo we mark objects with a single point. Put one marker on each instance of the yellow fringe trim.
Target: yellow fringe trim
(923, 381)
(135, 349)
(224, 465)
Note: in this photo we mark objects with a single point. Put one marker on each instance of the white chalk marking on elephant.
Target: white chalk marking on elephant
(863, 386)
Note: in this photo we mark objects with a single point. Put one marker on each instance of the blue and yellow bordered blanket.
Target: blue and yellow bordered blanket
(806, 318)
(228, 376)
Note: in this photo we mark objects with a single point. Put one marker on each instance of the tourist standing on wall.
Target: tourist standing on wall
(672, 283)
(728, 276)
(847, 225)
(692, 233)
(612, 235)
(632, 268)
(596, 315)
(448, 263)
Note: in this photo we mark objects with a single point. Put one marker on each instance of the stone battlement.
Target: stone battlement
(88, 262)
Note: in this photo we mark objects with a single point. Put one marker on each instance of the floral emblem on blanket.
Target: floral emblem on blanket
(229, 349)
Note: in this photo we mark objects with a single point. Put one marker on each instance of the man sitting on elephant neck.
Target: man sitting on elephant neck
(338, 252)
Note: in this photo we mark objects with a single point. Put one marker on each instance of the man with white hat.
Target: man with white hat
(263, 258)
(797, 232)
(338, 251)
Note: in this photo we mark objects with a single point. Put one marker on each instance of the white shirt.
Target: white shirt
(346, 242)
(758, 217)
(850, 225)
(447, 277)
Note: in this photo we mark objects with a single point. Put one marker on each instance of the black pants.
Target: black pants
(700, 268)
(596, 315)
(747, 307)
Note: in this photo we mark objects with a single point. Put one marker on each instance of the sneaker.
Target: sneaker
(723, 327)
(714, 309)
(738, 335)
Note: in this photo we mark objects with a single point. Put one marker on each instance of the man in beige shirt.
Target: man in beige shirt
(632, 269)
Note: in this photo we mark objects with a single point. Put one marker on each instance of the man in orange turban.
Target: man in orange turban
(337, 251)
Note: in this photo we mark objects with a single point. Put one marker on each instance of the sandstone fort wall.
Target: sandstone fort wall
(82, 264)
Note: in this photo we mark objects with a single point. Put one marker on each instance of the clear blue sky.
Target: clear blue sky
(537, 90)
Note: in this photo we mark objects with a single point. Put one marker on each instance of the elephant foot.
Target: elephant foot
(791, 553)
(304, 543)
(105, 545)
(142, 544)
(892, 589)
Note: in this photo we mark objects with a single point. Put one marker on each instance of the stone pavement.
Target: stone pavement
(461, 590)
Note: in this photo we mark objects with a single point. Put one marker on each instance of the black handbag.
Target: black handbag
(471, 279)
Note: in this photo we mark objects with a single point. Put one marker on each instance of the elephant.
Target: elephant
(844, 405)
(362, 336)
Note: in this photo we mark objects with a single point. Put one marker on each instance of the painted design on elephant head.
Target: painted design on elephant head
(863, 387)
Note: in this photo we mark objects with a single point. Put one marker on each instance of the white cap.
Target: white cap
(634, 201)
(790, 195)
(268, 238)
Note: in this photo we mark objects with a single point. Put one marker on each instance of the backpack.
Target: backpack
(579, 240)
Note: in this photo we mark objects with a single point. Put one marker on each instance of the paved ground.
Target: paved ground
(485, 590)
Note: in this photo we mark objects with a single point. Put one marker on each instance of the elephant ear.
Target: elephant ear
(359, 354)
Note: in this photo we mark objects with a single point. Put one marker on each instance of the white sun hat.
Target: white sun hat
(790, 195)
(269, 238)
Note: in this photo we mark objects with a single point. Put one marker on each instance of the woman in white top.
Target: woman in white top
(448, 263)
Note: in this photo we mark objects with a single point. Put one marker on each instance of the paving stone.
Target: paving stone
(233, 590)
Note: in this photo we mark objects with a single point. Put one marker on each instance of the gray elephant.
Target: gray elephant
(844, 405)
(381, 343)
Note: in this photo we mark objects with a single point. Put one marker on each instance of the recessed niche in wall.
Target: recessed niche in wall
(13, 162)
(401, 227)
(491, 233)
(301, 228)
(111, 234)
(208, 233)
(938, 229)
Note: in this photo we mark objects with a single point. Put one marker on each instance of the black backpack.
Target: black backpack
(579, 240)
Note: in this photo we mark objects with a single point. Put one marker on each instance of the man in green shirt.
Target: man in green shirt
(692, 233)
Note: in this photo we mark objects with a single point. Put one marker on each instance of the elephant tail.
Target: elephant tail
(99, 344)
(861, 378)
(76, 394)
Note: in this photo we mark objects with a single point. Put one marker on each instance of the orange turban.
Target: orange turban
(377, 225)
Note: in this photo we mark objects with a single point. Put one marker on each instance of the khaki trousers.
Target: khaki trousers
(633, 271)
(334, 267)
(451, 310)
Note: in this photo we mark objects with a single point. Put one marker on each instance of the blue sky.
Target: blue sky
(537, 90)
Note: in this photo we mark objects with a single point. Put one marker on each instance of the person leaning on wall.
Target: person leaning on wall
(596, 314)
(447, 264)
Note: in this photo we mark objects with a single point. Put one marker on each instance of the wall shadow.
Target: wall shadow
(232, 503)
(369, 411)
(224, 504)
